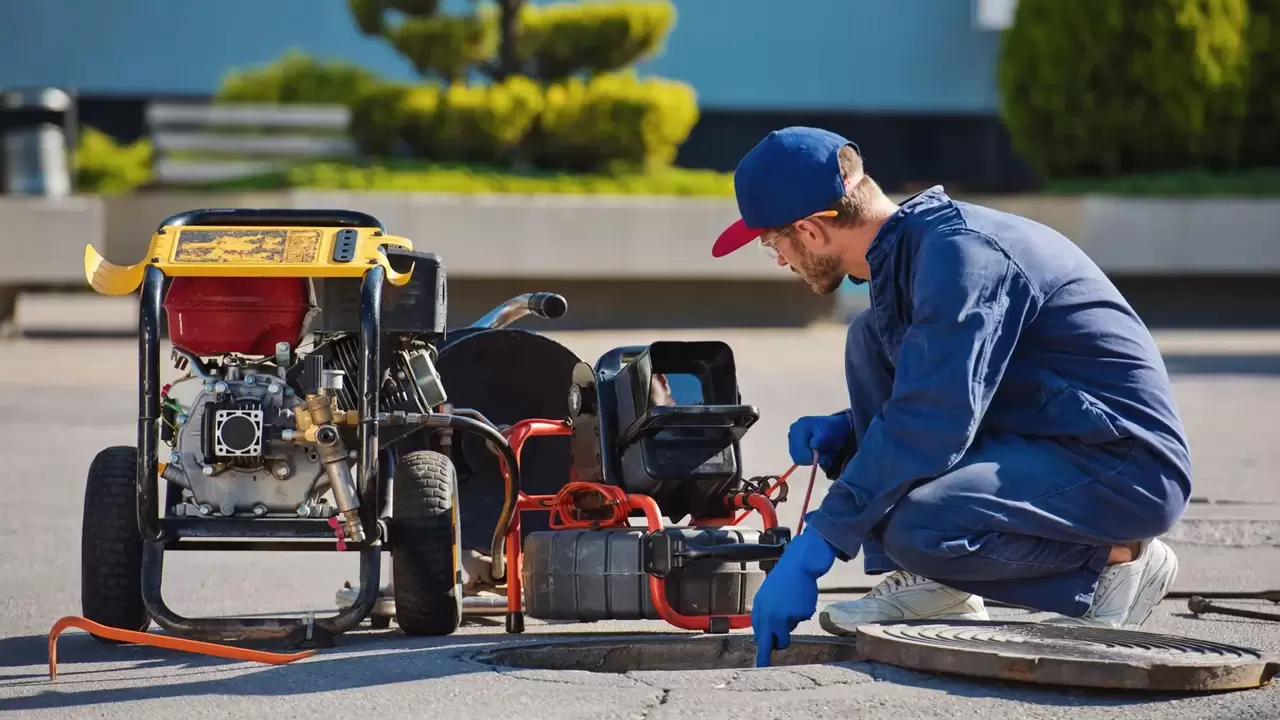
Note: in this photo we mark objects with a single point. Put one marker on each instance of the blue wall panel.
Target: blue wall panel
(865, 55)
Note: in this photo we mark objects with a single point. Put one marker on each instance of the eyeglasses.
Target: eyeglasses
(770, 245)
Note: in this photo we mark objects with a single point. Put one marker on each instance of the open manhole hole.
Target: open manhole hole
(622, 655)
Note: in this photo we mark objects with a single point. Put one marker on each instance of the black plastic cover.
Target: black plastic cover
(419, 307)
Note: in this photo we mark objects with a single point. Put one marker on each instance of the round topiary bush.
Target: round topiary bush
(1106, 87)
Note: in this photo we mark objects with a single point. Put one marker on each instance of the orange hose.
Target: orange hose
(168, 642)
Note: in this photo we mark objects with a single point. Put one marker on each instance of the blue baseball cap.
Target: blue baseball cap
(791, 174)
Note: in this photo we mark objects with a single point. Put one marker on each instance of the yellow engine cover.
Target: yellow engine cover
(239, 251)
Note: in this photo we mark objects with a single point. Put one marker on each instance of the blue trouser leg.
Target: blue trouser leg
(1031, 521)
(869, 377)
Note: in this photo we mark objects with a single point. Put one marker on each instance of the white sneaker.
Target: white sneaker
(902, 596)
(1127, 593)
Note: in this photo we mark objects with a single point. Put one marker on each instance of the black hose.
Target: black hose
(474, 414)
(511, 491)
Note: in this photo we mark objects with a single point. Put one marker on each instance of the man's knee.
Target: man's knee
(914, 539)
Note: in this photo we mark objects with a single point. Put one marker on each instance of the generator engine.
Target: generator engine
(258, 440)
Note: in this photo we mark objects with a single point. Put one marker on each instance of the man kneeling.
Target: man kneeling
(1011, 431)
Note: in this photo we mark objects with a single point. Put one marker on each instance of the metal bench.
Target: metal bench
(215, 142)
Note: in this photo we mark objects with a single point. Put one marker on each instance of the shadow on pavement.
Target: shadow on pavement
(395, 659)
(1182, 364)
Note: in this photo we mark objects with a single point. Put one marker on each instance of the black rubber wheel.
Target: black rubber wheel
(587, 575)
(111, 544)
(426, 558)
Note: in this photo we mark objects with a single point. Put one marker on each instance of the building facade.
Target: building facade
(913, 81)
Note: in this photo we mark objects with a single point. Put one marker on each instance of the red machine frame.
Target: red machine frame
(561, 507)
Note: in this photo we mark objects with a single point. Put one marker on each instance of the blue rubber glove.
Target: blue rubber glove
(829, 435)
(789, 594)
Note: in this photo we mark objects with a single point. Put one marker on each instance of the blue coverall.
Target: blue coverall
(1012, 417)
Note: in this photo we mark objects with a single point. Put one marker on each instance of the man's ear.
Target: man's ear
(812, 234)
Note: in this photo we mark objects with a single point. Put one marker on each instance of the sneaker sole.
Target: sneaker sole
(1164, 570)
(825, 621)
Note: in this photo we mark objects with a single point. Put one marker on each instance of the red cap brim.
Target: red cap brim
(735, 236)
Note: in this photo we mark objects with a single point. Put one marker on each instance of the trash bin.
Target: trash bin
(37, 128)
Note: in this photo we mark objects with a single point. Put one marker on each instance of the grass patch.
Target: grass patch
(440, 178)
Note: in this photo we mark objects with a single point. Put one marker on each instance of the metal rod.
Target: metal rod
(736, 552)
(255, 528)
(1198, 605)
(371, 346)
(190, 545)
(1271, 595)
(484, 605)
(149, 403)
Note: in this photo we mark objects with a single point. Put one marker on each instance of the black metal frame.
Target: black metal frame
(171, 533)
(663, 552)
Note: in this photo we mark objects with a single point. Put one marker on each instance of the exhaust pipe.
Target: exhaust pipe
(543, 304)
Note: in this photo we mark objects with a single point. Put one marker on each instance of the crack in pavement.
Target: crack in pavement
(662, 700)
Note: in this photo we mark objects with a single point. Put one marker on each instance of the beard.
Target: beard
(822, 273)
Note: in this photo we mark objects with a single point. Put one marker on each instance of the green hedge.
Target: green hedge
(614, 120)
(482, 123)
(554, 40)
(1262, 126)
(103, 166)
(445, 47)
(473, 179)
(563, 39)
(298, 78)
(611, 123)
(1106, 87)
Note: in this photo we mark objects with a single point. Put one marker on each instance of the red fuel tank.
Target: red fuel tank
(245, 315)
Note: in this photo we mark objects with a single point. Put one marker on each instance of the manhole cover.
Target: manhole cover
(1066, 655)
(620, 655)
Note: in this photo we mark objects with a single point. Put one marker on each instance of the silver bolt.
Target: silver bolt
(182, 419)
(274, 389)
(228, 509)
(288, 392)
(220, 387)
(175, 458)
(259, 510)
(353, 454)
(250, 380)
(206, 509)
(304, 511)
(207, 470)
(282, 471)
(208, 387)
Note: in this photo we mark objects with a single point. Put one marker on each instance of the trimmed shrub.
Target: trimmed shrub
(379, 118)
(1100, 87)
(1262, 126)
(105, 167)
(298, 78)
(563, 39)
(483, 123)
(444, 46)
(614, 121)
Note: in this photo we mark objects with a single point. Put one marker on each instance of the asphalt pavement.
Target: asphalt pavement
(62, 400)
